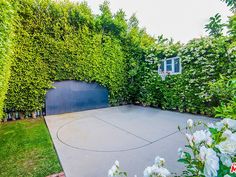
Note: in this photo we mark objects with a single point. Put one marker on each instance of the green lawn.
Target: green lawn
(26, 149)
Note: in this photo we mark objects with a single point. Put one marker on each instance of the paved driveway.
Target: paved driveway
(89, 142)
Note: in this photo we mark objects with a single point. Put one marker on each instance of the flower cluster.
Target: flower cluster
(157, 169)
(212, 150)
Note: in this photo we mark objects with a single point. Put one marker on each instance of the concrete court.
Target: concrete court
(89, 142)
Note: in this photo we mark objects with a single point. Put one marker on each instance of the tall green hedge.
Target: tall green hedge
(61, 41)
(6, 37)
(203, 60)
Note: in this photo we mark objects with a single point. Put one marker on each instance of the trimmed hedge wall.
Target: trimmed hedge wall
(203, 60)
(60, 41)
(6, 35)
(64, 41)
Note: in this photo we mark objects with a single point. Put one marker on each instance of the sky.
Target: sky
(180, 19)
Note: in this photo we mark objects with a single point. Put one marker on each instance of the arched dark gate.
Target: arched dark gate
(72, 96)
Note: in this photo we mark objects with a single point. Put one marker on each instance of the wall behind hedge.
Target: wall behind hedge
(6, 37)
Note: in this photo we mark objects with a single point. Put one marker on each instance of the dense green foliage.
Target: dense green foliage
(138, 46)
(60, 41)
(202, 62)
(27, 150)
(57, 41)
(154, 91)
(6, 35)
(215, 26)
(225, 91)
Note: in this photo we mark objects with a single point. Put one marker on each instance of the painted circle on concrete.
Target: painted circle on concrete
(92, 134)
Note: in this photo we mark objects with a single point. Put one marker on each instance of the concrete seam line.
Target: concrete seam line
(110, 151)
(123, 130)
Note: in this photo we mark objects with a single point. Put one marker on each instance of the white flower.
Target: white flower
(159, 161)
(211, 125)
(233, 137)
(117, 163)
(147, 172)
(202, 136)
(156, 171)
(226, 160)
(189, 123)
(227, 133)
(161, 171)
(211, 167)
(230, 123)
(227, 176)
(202, 154)
(180, 150)
(181, 153)
(219, 125)
(114, 169)
(209, 141)
(209, 157)
(190, 139)
(228, 146)
(111, 173)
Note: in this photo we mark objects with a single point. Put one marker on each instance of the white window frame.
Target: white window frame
(172, 72)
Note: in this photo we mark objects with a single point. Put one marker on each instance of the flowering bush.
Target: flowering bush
(209, 153)
(212, 150)
(156, 170)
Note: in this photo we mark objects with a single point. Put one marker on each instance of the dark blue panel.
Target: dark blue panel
(72, 96)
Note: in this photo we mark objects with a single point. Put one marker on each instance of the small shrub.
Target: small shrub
(224, 91)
